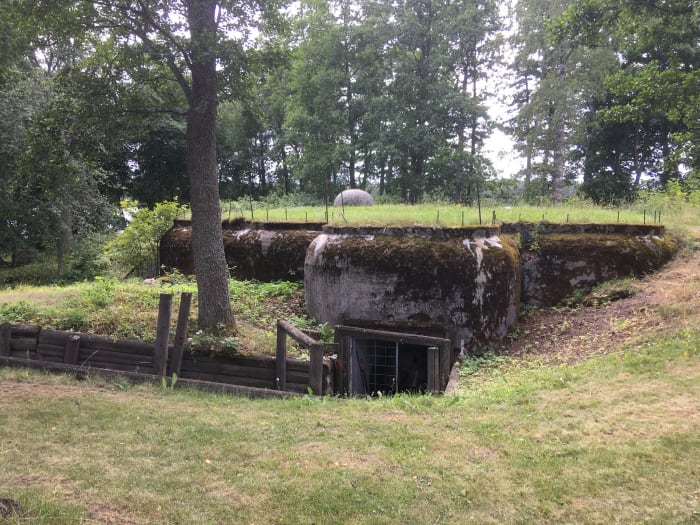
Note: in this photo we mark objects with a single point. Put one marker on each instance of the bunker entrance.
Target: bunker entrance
(386, 363)
(389, 367)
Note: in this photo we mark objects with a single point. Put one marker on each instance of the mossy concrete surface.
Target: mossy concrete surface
(556, 264)
(464, 283)
(267, 255)
(261, 251)
(468, 286)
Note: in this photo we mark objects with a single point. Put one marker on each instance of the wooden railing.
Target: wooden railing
(80, 353)
(317, 350)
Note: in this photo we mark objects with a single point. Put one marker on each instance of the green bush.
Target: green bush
(18, 313)
(87, 259)
(136, 248)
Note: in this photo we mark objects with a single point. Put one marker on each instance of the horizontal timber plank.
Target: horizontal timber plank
(149, 378)
(129, 367)
(22, 344)
(243, 381)
(260, 362)
(25, 330)
(302, 388)
(24, 354)
(224, 369)
(96, 342)
(366, 333)
(48, 349)
(116, 357)
(50, 358)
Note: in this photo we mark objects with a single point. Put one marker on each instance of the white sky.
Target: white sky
(498, 148)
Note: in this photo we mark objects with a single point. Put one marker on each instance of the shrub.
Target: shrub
(136, 248)
(18, 313)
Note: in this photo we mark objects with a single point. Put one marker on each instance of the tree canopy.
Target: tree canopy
(198, 99)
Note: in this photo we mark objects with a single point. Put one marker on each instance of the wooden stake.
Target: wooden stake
(183, 317)
(316, 369)
(72, 349)
(281, 359)
(5, 335)
(160, 350)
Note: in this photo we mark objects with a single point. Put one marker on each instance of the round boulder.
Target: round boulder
(353, 198)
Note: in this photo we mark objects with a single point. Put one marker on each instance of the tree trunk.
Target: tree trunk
(558, 167)
(207, 239)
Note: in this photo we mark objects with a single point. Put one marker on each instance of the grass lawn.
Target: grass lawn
(447, 215)
(610, 439)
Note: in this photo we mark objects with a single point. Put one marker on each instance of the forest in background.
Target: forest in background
(317, 96)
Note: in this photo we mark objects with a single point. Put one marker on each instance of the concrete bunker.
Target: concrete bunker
(449, 287)
(463, 281)
(556, 259)
(254, 250)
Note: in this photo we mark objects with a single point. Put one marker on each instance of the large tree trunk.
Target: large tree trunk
(558, 167)
(207, 238)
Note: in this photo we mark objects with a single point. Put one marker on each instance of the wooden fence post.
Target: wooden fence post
(316, 369)
(445, 364)
(183, 317)
(71, 350)
(5, 335)
(160, 350)
(281, 359)
(433, 369)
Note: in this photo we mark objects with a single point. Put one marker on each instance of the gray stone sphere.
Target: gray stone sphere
(353, 198)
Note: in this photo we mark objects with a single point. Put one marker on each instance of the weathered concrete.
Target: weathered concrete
(463, 283)
(554, 265)
(353, 198)
(253, 250)
(467, 284)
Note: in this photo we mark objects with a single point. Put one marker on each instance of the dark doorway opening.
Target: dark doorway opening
(379, 362)
(388, 367)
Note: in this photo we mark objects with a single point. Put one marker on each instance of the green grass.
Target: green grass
(128, 309)
(435, 214)
(454, 215)
(614, 439)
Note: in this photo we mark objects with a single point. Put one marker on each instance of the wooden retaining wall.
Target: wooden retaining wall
(79, 352)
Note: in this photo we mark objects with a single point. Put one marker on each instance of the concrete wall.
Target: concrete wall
(463, 283)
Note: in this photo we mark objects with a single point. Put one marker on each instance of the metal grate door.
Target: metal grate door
(382, 366)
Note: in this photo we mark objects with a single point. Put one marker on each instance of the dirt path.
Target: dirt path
(663, 302)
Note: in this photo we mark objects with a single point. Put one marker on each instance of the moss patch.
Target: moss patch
(558, 263)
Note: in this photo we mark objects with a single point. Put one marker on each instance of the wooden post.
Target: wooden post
(281, 359)
(433, 369)
(160, 350)
(5, 335)
(72, 349)
(316, 369)
(342, 366)
(445, 364)
(183, 317)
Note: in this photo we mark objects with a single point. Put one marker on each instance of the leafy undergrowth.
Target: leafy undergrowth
(128, 309)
